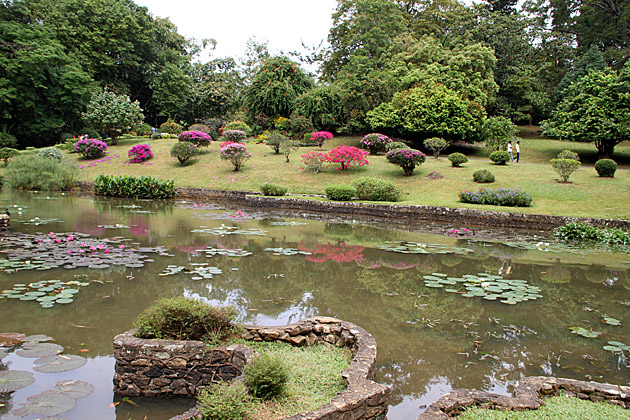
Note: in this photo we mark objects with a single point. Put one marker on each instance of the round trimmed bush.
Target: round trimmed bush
(144, 130)
(340, 192)
(606, 168)
(500, 157)
(7, 140)
(375, 142)
(91, 133)
(235, 153)
(396, 145)
(184, 151)
(171, 127)
(273, 190)
(238, 125)
(483, 177)
(90, 148)
(457, 159)
(234, 135)
(139, 153)
(51, 153)
(376, 189)
(320, 137)
(406, 158)
(198, 138)
(266, 376)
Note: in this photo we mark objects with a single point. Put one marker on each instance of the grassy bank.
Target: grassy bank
(586, 196)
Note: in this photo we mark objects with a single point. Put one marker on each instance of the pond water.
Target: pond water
(447, 312)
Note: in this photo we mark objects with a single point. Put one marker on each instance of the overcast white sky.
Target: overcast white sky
(284, 23)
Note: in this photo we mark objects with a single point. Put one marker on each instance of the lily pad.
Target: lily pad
(611, 321)
(48, 403)
(59, 363)
(11, 380)
(37, 350)
(75, 388)
(584, 332)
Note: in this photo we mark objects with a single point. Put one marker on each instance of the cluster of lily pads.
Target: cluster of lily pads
(237, 252)
(486, 286)
(199, 271)
(287, 251)
(422, 248)
(49, 360)
(46, 292)
(230, 230)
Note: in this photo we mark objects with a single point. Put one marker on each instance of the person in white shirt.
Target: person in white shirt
(509, 150)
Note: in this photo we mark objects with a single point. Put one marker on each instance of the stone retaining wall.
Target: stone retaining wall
(527, 396)
(408, 214)
(142, 365)
(5, 222)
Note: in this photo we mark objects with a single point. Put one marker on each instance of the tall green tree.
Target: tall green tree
(595, 109)
(276, 87)
(114, 114)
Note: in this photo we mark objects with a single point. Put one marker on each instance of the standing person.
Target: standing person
(509, 150)
(518, 150)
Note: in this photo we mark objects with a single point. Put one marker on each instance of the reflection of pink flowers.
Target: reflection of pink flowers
(338, 253)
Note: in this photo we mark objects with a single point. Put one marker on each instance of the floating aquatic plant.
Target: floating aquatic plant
(48, 403)
(422, 248)
(581, 331)
(46, 292)
(287, 251)
(200, 271)
(230, 230)
(211, 252)
(12, 380)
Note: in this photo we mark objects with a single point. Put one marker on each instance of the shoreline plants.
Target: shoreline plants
(132, 187)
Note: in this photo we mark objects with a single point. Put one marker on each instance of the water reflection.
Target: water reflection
(430, 341)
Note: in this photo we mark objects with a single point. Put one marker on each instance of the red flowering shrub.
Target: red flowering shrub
(313, 161)
(320, 137)
(347, 156)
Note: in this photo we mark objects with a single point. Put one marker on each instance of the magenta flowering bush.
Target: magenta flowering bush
(313, 161)
(407, 159)
(347, 156)
(233, 135)
(320, 137)
(90, 148)
(236, 153)
(198, 138)
(375, 142)
(139, 153)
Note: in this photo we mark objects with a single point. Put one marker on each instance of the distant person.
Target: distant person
(509, 150)
(517, 147)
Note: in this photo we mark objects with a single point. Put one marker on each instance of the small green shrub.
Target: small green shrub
(51, 153)
(436, 145)
(144, 129)
(497, 132)
(396, 145)
(239, 126)
(273, 190)
(580, 231)
(606, 168)
(7, 153)
(500, 157)
(184, 151)
(498, 197)
(483, 177)
(275, 140)
(63, 137)
(376, 189)
(33, 172)
(340, 192)
(171, 127)
(306, 140)
(457, 159)
(266, 377)
(7, 140)
(224, 401)
(568, 154)
(132, 187)
(200, 127)
(179, 318)
(565, 167)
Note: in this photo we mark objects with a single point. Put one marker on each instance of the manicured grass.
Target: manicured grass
(555, 408)
(314, 379)
(586, 196)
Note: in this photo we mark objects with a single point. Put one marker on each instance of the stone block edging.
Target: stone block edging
(411, 214)
(527, 396)
(140, 362)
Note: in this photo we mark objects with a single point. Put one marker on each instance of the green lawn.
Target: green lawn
(555, 408)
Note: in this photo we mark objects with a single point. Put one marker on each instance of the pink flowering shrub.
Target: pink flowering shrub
(407, 159)
(139, 153)
(236, 153)
(320, 137)
(347, 156)
(225, 143)
(90, 148)
(234, 135)
(198, 138)
(313, 161)
(375, 142)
